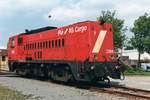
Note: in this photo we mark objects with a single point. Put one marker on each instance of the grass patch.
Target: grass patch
(135, 71)
(8, 94)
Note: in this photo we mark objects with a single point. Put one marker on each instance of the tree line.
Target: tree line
(141, 32)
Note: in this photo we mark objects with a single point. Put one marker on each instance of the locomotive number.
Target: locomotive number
(72, 30)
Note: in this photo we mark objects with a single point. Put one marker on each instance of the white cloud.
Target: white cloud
(90, 9)
(64, 14)
(8, 8)
(70, 11)
(131, 11)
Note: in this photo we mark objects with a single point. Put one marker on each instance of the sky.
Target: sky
(18, 15)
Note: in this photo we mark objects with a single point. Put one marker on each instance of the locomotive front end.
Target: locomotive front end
(105, 62)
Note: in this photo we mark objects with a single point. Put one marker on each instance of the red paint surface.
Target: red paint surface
(79, 41)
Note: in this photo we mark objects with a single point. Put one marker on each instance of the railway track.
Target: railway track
(135, 94)
(138, 94)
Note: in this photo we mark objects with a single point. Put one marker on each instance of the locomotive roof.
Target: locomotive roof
(39, 30)
(34, 31)
(47, 28)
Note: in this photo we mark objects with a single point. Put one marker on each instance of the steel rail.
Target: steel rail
(126, 91)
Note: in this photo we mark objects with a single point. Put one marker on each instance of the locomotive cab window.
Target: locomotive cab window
(13, 43)
(20, 40)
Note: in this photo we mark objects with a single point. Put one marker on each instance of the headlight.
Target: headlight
(92, 67)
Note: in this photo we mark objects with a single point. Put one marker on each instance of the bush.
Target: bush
(134, 71)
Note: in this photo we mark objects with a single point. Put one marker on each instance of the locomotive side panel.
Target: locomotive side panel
(77, 43)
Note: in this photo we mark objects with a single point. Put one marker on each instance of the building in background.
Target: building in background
(130, 57)
(3, 58)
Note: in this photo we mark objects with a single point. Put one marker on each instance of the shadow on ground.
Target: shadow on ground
(81, 85)
(6, 73)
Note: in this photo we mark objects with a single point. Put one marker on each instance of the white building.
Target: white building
(3, 58)
(131, 57)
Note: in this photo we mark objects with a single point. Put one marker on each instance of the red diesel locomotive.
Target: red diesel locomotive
(82, 51)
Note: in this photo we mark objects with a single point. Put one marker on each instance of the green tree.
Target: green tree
(128, 45)
(118, 27)
(141, 38)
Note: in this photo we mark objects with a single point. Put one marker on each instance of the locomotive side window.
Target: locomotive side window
(38, 55)
(63, 42)
(52, 43)
(55, 43)
(46, 44)
(40, 45)
(41, 55)
(59, 43)
(49, 44)
(28, 46)
(43, 44)
(32, 46)
(35, 45)
(35, 55)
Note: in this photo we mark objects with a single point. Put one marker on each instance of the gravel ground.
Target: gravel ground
(42, 90)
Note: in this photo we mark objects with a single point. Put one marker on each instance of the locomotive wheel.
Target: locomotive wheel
(60, 74)
(57, 77)
(17, 71)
